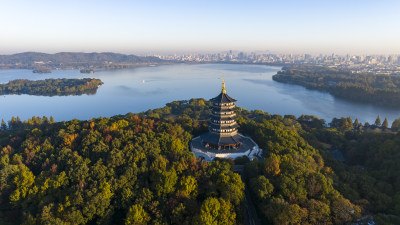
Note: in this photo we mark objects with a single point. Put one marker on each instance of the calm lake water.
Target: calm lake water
(140, 89)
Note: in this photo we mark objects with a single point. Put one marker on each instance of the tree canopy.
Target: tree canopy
(51, 87)
(379, 89)
(137, 169)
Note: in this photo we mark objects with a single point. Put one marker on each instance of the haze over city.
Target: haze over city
(146, 27)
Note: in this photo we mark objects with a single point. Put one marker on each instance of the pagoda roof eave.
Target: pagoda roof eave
(225, 118)
(223, 98)
(222, 140)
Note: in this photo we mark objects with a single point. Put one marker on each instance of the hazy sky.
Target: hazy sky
(320, 26)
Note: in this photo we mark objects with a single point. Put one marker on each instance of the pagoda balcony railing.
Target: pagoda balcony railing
(229, 134)
(224, 104)
(222, 116)
(223, 131)
(218, 122)
(226, 134)
(230, 113)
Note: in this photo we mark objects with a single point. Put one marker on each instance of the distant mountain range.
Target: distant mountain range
(74, 59)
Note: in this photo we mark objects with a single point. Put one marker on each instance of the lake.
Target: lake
(143, 88)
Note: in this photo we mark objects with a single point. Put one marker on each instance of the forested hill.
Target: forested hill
(62, 59)
(377, 89)
(137, 169)
(51, 87)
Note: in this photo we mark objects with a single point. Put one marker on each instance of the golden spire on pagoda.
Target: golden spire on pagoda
(223, 84)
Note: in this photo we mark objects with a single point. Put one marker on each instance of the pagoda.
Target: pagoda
(223, 139)
(223, 128)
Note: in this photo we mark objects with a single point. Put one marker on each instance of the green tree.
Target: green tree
(177, 147)
(342, 123)
(378, 121)
(231, 187)
(349, 123)
(137, 216)
(23, 182)
(356, 123)
(396, 124)
(164, 182)
(13, 123)
(3, 125)
(261, 187)
(189, 186)
(178, 214)
(215, 211)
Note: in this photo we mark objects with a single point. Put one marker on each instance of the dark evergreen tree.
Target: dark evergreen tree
(3, 124)
(385, 123)
(378, 121)
(349, 124)
(356, 123)
(13, 123)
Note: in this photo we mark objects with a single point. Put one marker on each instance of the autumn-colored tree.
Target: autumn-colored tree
(385, 123)
(3, 124)
(396, 124)
(318, 212)
(344, 211)
(356, 123)
(271, 165)
(283, 213)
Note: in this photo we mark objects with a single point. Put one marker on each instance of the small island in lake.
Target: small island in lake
(377, 89)
(87, 71)
(42, 70)
(51, 87)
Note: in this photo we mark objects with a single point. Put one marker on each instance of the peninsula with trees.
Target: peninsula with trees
(51, 87)
(383, 90)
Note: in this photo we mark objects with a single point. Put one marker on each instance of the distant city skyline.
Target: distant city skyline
(151, 27)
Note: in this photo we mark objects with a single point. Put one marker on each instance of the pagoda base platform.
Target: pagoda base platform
(247, 148)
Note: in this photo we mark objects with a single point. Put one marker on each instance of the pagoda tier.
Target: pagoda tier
(223, 118)
(222, 126)
(223, 110)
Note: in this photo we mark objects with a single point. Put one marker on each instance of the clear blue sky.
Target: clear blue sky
(288, 26)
